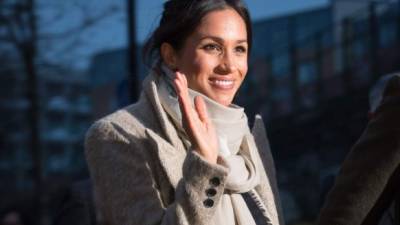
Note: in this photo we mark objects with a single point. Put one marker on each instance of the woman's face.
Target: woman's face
(214, 56)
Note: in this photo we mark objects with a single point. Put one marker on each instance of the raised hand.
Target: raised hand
(196, 122)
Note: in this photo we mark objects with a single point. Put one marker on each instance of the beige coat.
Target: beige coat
(142, 173)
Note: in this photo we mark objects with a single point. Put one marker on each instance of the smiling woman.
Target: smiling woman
(184, 154)
(214, 56)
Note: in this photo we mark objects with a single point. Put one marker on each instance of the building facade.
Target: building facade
(65, 112)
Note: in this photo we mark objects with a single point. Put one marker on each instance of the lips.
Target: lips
(224, 84)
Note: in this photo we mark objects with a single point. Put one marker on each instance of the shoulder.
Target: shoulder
(115, 138)
(113, 125)
(108, 139)
(132, 119)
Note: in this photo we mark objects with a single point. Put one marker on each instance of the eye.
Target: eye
(241, 49)
(212, 48)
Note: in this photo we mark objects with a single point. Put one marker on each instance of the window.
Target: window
(307, 83)
(387, 35)
(280, 65)
(359, 48)
(282, 101)
(307, 73)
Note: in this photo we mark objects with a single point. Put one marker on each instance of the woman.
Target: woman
(162, 161)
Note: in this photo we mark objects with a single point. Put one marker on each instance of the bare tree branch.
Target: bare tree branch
(13, 18)
(86, 23)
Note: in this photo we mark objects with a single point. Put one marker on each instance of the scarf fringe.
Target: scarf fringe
(254, 195)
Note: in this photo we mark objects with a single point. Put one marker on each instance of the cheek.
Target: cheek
(203, 65)
(242, 67)
(196, 67)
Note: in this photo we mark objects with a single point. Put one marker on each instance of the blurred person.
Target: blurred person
(184, 154)
(366, 190)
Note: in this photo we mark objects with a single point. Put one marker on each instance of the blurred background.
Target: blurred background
(64, 64)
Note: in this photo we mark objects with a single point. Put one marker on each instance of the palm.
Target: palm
(196, 121)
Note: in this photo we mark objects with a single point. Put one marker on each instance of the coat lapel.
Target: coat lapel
(268, 189)
(167, 143)
(171, 158)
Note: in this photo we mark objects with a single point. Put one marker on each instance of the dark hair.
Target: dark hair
(181, 17)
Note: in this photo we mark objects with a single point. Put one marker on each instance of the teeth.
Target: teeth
(223, 82)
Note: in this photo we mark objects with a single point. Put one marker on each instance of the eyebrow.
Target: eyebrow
(218, 39)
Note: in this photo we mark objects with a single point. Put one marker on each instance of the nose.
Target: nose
(227, 63)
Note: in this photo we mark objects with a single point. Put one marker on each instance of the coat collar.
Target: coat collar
(169, 146)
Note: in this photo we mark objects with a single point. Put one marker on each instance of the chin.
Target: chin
(223, 101)
(222, 98)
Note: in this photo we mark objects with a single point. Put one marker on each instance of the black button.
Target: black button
(211, 192)
(215, 181)
(208, 203)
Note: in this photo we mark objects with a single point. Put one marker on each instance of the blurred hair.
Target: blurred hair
(181, 17)
(376, 92)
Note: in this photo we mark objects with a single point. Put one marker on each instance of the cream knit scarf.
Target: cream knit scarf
(233, 131)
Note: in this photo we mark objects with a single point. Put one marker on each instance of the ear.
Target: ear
(169, 55)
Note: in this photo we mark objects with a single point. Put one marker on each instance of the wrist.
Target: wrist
(211, 158)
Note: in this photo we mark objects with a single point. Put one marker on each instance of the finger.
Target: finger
(180, 81)
(184, 79)
(177, 85)
(184, 101)
(183, 93)
(201, 109)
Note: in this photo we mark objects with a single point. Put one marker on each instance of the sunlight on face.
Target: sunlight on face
(214, 56)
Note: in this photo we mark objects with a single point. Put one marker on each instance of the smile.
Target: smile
(222, 84)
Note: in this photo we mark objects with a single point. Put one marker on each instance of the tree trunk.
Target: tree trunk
(133, 76)
(28, 50)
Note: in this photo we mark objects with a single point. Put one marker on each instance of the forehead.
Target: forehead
(226, 24)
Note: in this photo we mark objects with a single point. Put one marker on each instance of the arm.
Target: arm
(126, 191)
(369, 167)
